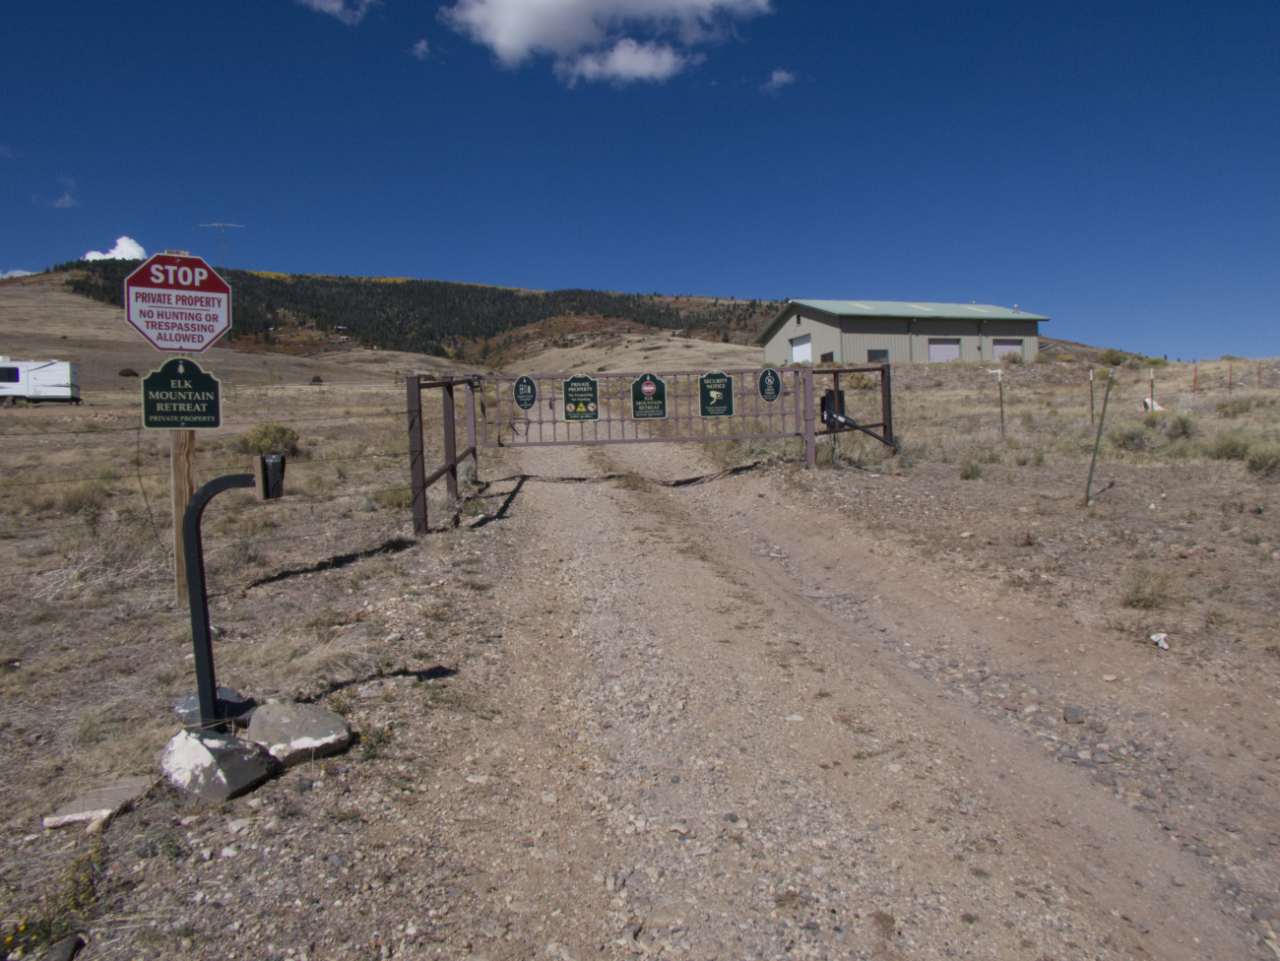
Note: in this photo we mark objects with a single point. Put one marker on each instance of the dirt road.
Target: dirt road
(700, 715)
(742, 772)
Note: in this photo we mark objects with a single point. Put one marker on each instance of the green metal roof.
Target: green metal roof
(898, 308)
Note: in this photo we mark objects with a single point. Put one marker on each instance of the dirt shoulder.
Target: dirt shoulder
(652, 708)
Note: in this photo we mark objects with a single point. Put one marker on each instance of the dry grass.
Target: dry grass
(1150, 590)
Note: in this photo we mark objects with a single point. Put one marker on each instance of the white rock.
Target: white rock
(101, 804)
(293, 733)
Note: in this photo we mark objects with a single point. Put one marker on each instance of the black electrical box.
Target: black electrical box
(269, 477)
(832, 400)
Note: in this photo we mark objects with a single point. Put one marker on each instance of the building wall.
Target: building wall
(863, 334)
(825, 339)
(849, 338)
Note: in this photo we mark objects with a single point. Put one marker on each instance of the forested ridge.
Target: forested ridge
(423, 316)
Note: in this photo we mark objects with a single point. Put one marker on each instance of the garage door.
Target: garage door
(943, 349)
(1001, 347)
(802, 350)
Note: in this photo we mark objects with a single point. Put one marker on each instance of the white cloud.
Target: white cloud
(626, 61)
(613, 40)
(6, 152)
(779, 80)
(338, 9)
(421, 50)
(66, 201)
(6, 274)
(126, 248)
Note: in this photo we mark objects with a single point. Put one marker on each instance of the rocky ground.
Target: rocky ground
(661, 700)
(665, 710)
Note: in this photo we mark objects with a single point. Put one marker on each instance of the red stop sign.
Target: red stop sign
(177, 303)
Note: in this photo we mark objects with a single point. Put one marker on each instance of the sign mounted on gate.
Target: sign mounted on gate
(525, 392)
(181, 396)
(649, 398)
(770, 385)
(581, 398)
(715, 391)
(177, 303)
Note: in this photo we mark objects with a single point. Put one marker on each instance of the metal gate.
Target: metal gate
(543, 410)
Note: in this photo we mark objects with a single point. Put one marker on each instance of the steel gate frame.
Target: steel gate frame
(503, 424)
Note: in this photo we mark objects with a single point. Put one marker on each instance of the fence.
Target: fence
(630, 408)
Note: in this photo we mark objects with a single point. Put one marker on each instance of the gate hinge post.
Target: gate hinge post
(810, 441)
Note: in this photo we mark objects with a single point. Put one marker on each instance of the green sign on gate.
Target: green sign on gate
(181, 396)
(770, 385)
(715, 391)
(649, 398)
(581, 398)
(525, 392)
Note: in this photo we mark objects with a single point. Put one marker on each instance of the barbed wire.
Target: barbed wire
(217, 467)
(228, 426)
(32, 532)
(327, 532)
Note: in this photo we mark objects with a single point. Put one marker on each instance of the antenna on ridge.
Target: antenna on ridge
(222, 240)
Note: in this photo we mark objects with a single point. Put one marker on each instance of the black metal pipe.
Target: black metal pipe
(849, 423)
(193, 551)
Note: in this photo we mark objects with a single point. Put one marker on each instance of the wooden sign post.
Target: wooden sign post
(182, 479)
(179, 305)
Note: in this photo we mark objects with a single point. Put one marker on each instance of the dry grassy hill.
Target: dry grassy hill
(689, 701)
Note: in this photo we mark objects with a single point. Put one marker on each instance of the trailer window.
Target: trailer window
(8, 375)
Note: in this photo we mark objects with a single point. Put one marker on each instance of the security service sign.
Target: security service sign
(177, 303)
(181, 396)
(715, 394)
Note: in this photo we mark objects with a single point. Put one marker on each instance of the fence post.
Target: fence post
(417, 475)
(810, 442)
(450, 441)
(1097, 442)
(886, 403)
(471, 429)
(1092, 419)
(1000, 384)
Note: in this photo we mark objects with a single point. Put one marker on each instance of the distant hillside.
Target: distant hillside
(424, 316)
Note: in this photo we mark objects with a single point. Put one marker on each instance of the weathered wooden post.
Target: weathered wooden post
(810, 441)
(1088, 487)
(417, 473)
(472, 459)
(1000, 384)
(450, 441)
(886, 403)
(182, 484)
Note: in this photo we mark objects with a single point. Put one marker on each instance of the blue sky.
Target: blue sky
(1114, 165)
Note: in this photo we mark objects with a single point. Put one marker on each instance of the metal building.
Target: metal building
(879, 331)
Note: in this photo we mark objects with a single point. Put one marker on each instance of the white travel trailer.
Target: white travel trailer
(38, 380)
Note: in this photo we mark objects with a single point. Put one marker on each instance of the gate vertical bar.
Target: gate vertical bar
(471, 429)
(810, 443)
(417, 474)
(886, 403)
(450, 440)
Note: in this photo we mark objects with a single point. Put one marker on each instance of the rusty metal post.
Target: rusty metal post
(471, 429)
(810, 442)
(450, 441)
(886, 403)
(417, 474)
